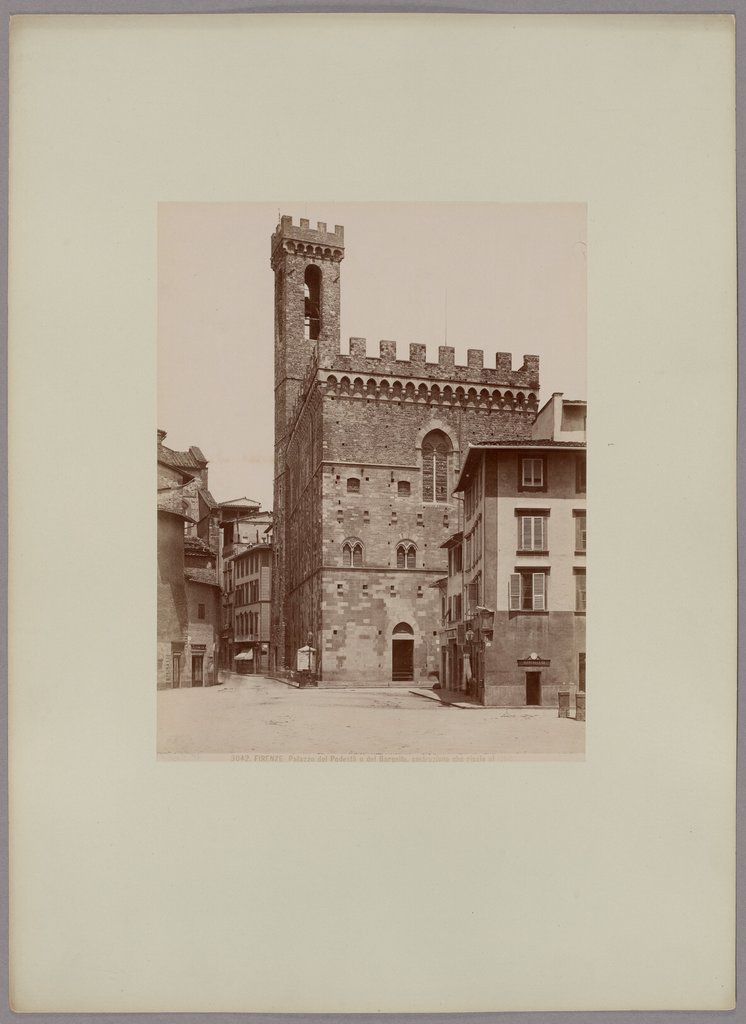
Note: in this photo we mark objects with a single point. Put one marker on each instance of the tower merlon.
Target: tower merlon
(304, 235)
(475, 359)
(446, 369)
(446, 357)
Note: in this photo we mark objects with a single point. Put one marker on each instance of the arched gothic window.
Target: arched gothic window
(352, 554)
(406, 555)
(435, 451)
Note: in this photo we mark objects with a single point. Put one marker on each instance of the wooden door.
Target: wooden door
(533, 689)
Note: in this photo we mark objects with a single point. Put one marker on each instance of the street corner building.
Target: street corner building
(189, 602)
(514, 599)
(370, 452)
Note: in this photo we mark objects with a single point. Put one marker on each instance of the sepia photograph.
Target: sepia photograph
(326, 703)
(360, 539)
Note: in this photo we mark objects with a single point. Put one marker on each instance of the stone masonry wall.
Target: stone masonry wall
(360, 609)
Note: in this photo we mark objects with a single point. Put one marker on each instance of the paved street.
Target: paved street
(253, 714)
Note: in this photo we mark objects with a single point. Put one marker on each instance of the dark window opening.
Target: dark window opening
(312, 309)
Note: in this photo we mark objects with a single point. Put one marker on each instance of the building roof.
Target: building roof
(201, 576)
(197, 546)
(478, 446)
(453, 540)
(192, 459)
(261, 545)
(241, 503)
(208, 498)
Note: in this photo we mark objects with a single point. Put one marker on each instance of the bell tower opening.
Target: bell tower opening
(312, 310)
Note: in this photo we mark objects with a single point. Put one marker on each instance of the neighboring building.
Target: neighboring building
(253, 574)
(188, 588)
(173, 615)
(244, 525)
(367, 453)
(514, 633)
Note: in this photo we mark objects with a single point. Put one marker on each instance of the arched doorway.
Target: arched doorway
(402, 653)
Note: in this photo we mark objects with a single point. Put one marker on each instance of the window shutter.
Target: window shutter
(411, 558)
(346, 559)
(400, 558)
(539, 591)
(357, 556)
(580, 592)
(515, 592)
(539, 542)
(526, 532)
(580, 533)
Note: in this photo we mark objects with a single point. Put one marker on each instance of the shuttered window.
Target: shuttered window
(532, 472)
(532, 533)
(528, 592)
(580, 592)
(539, 591)
(580, 533)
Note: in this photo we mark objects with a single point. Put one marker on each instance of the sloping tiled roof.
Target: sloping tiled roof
(208, 498)
(201, 576)
(193, 459)
(196, 546)
(240, 503)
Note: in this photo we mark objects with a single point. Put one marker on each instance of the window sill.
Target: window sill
(528, 611)
(579, 553)
(531, 551)
(579, 613)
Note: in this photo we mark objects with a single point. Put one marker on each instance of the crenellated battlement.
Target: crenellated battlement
(446, 370)
(303, 240)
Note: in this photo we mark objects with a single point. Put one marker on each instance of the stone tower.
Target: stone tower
(367, 453)
(306, 263)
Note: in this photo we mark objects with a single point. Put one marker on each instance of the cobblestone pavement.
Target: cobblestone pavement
(257, 715)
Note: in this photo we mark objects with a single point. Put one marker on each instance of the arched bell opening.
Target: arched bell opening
(312, 308)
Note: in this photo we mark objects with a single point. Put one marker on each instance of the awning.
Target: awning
(244, 656)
